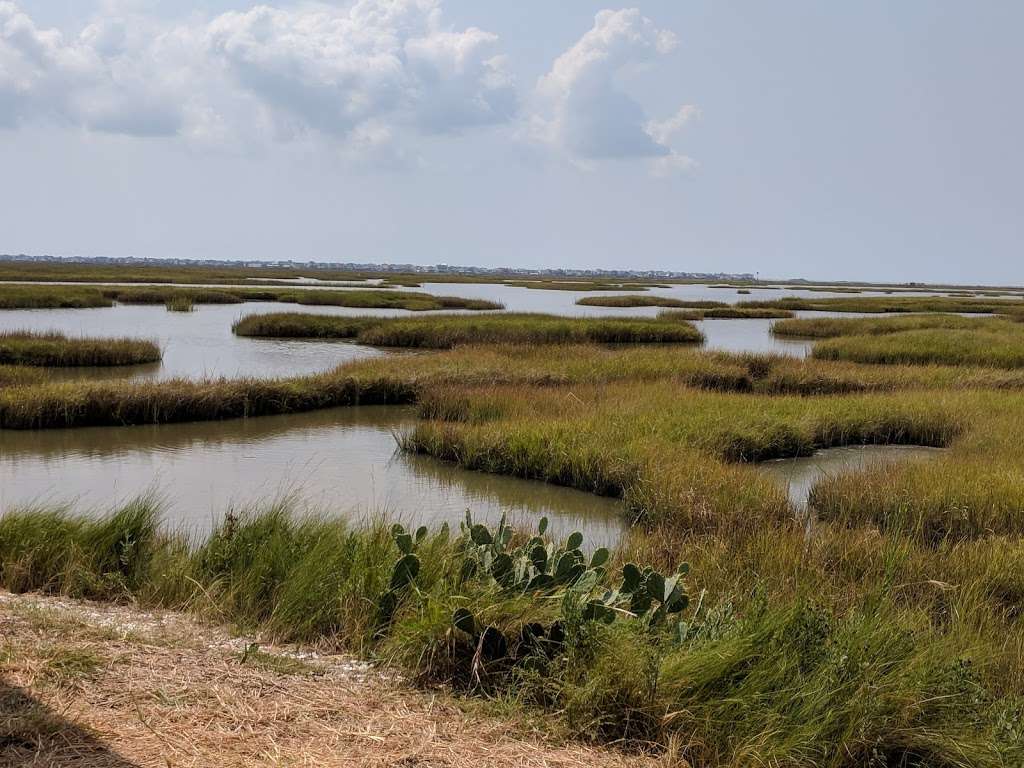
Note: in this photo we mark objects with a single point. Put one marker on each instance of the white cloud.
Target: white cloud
(585, 113)
(361, 75)
(662, 131)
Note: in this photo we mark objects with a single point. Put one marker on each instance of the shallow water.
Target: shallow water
(200, 344)
(342, 461)
(799, 475)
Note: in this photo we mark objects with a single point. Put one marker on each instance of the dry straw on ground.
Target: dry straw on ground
(93, 686)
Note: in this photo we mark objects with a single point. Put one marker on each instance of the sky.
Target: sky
(849, 141)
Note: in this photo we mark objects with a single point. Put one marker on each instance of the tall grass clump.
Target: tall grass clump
(99, 558)
(59, 351)
(298, 325)
(180, 304)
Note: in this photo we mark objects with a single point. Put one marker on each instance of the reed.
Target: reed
(59, 351)
(20, 376)
(180, 304)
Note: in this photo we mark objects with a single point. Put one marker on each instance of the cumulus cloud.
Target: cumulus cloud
(369, 77)
(584, 112)
(359, 75)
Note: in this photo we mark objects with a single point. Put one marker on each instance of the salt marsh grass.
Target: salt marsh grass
(51, 297)
(59, 351)
(988, 346)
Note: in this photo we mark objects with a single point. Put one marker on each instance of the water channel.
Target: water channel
(339, 461)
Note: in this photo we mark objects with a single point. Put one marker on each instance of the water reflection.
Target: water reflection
(799, 475)
(340, 460)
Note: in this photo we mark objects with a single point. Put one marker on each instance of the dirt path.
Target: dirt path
(90, 686)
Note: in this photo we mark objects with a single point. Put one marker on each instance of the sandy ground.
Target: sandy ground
(95, 686)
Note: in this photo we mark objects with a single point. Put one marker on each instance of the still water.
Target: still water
(200, 344)
(799, 475)
(339, 461)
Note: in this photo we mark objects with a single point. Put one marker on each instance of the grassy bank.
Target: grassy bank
(76, 297)
(990, 346)
(676, 456)
(448, 331)
(59, 351)
(375, 299)
(648, 301)
(51, 297)
(832, 327)
(727, 313)
(898, 304)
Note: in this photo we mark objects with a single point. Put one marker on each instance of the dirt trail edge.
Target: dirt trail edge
(85, 685)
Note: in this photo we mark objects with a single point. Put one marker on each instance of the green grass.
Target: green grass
(674, 455)
(51, 297)
(302, 325)
(59, 351)
(841, 652)
(987, 346)
(448, 331)
(831, 327)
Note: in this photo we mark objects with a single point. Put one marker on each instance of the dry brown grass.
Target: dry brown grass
(162, 690)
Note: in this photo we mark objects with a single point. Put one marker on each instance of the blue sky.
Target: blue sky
(868, 140)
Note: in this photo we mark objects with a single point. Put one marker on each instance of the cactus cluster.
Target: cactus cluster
(404, 572)
(534, 566)
(537, 567)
